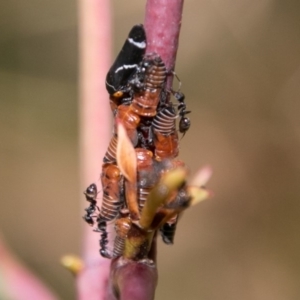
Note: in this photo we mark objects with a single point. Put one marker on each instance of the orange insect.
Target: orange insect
(165, 134)
(112, 182)
(150, 80)
(146, 99)
(122, 227)
(147, 176)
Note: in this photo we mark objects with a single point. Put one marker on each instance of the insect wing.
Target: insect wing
(127, 61)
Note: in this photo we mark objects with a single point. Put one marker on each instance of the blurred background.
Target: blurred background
(239, 63)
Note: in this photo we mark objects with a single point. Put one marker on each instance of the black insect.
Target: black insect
(168, 231)
(126, 63)
(90, 195)
(184, 123)
(122, 226)
(104, 252)
(102, 228)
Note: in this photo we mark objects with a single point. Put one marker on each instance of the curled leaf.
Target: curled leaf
(198, 194)
(159, 195)
(202, 176)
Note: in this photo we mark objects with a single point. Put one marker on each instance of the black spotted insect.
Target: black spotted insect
(125, 66)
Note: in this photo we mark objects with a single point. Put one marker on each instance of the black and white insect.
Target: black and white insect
(126, 63)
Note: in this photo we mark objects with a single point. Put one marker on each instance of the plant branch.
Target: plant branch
(95, 120)
(135, 280)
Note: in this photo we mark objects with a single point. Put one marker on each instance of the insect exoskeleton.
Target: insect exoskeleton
(164, 121)
(165, 135)
(125, 66)
(122, 227)
(130, 121)
(110, 155)
(146, 98)
(147, 175)
(111, 179)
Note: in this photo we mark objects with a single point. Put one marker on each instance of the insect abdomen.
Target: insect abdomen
(145, 101)
(111, 180)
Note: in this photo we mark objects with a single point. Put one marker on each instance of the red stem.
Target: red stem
(134, 280)
(162, 24)
(18, 282)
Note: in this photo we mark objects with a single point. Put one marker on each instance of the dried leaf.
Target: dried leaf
(126, 156)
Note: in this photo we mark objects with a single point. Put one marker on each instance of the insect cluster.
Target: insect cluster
(140, 101)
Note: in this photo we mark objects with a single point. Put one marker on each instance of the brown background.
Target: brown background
(239, 65)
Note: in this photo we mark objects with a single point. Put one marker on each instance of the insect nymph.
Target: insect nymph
(140, 101)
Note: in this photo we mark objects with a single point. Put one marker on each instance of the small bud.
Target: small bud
(73, 263)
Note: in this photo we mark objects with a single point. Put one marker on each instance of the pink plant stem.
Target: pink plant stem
(95, 131)
(162, 24)
(17, 282)
(135, 280)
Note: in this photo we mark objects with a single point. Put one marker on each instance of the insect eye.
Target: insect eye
(118, 94)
